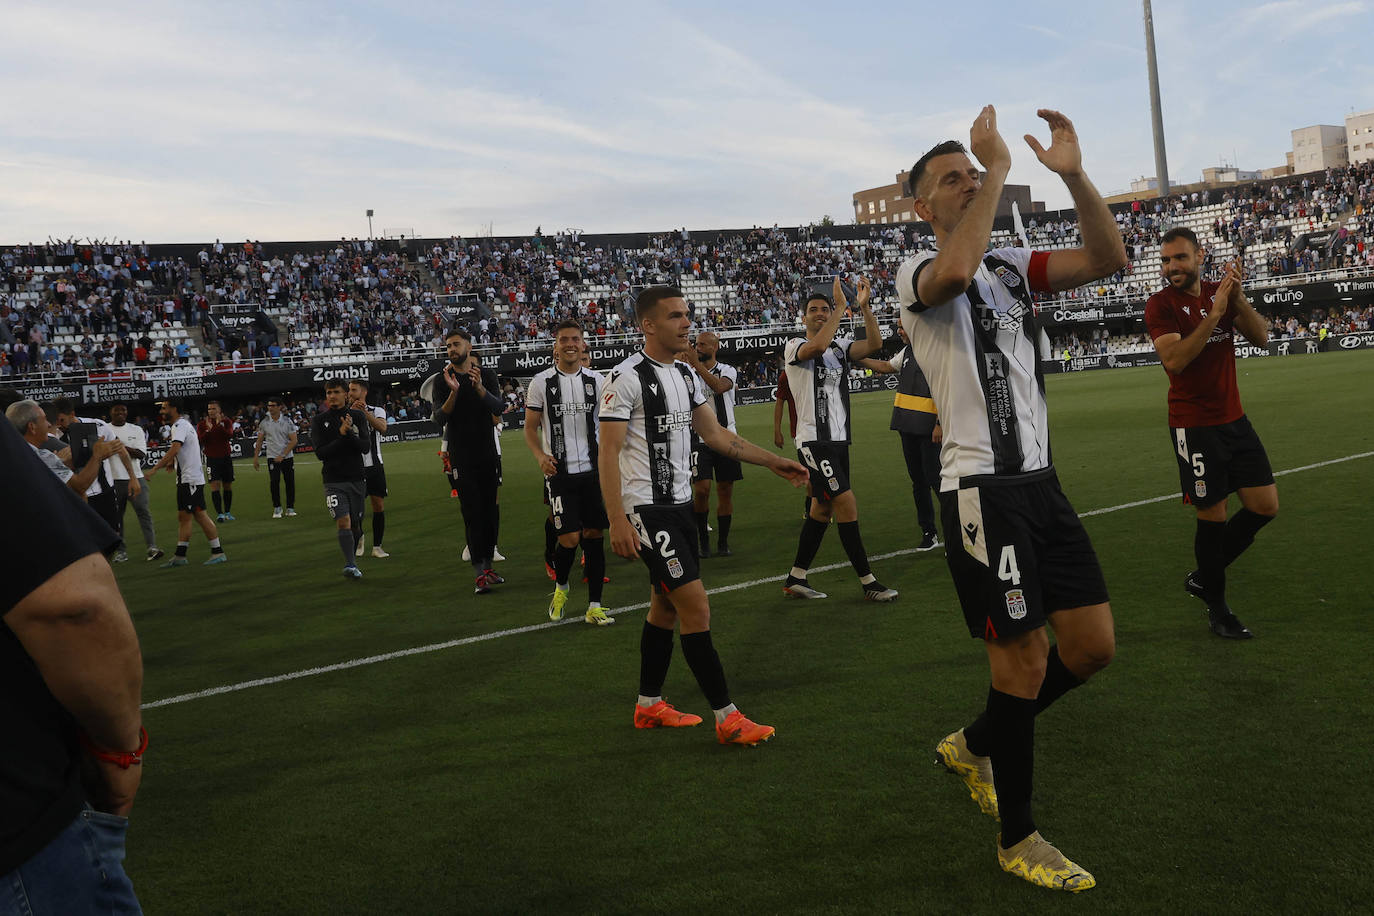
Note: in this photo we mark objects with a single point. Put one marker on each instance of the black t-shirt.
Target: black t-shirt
(46, 528)
(341, 456)
(468, 432)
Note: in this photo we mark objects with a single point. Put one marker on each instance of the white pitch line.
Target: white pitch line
(498, 634)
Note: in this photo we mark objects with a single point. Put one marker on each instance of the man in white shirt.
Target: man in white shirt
(136, 445)
(184, 455)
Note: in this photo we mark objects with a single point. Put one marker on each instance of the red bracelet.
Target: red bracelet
(121, 759)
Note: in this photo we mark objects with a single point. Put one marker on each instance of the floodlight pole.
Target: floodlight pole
(1161, 162)
(369, 224)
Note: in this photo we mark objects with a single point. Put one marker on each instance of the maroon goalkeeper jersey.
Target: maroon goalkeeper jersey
(1205, 392)
(214, 437)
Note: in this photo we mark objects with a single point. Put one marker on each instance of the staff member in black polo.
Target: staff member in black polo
(916, 420)
(70, 679)
(465, 408)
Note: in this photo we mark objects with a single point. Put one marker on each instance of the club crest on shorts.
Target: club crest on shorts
(1016, 604)
(834, 484)
(675, 568)
(1008, 276)
(1200, 489)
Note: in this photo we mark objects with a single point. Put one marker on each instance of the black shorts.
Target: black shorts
(668, 545)
(828, 463)
(708, 464)
(375, 477)
(344, 499)
(190, 497)
(1215, 461)
(221, 469)
(1017, 552)
(575, 501)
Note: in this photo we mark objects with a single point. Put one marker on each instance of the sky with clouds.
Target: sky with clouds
(286, 121)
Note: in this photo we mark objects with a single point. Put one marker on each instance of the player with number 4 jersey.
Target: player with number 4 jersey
(1019, 555)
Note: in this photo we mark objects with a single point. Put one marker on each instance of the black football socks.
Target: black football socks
(853, 544)
(655, 654)
(701, 657)
(1209, 548)
(1011, 726)
(1241, 531)
(594, 553)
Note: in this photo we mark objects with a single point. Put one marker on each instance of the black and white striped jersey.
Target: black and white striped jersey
(656, 401)
(723, 405)
(568, 405)
(820, 387)
(979, 354)
(373, 455)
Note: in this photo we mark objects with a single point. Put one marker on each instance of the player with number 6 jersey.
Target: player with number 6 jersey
(818, 374)
(649, 408)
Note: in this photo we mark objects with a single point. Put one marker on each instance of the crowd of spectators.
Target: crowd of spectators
(110, 295)
(384, 297)
(1317, 323)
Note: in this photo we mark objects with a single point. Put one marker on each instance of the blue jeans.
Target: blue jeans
(81, 871)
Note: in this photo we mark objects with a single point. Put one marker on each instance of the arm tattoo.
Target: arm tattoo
(736, 450)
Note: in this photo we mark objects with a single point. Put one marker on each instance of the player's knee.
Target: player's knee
(1089, 656)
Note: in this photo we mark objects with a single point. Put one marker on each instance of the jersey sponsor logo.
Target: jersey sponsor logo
(1008, 276)
(675, 567)
(565, 409)
(1200, 489)
(673, 419)
(1016, 604)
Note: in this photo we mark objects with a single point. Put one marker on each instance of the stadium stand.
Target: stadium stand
(74, 307)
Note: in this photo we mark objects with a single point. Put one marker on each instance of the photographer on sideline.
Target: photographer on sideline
(71, 676)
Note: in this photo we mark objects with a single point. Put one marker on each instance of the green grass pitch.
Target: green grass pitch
(503, 775)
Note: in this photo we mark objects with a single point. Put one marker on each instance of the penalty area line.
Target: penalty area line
(515, 631)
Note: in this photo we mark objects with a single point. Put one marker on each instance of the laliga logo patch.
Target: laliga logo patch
(1008, 276)
(1200, 489)
(675, 568)
(1016, 604)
